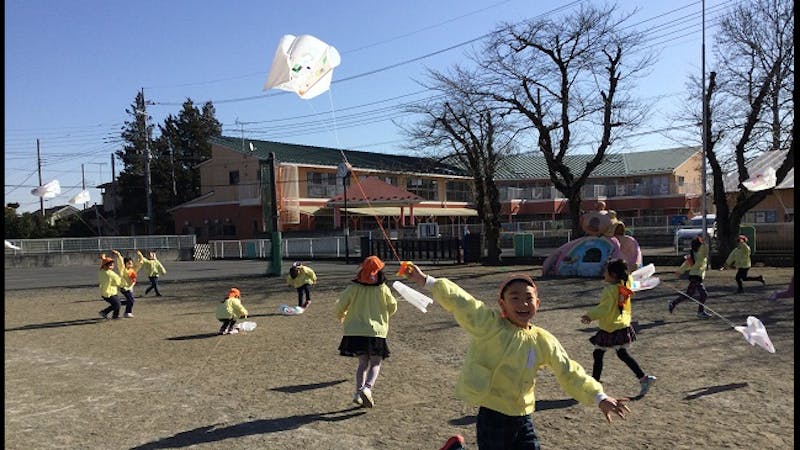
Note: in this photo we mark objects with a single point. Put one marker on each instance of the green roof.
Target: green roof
(306, 154)
(653, 162)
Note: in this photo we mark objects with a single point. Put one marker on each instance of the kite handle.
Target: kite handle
(405, 269)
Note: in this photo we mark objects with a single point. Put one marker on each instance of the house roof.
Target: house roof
(306, 154)
(652, 162)
(372, 191)
(772, 159)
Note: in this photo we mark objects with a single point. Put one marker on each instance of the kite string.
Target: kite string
(358, 182)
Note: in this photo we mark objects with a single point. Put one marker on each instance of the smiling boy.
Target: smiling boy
(506, 352)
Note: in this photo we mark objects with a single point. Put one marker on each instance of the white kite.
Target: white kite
(80, 198)
(761, 181)
(643, 278)
(48, 190)
(756, 334)
(302, 64)
(287, 310)
(412, 296)
(246, 326)
(11, 246)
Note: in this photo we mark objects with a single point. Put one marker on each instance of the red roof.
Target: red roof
(372, 191)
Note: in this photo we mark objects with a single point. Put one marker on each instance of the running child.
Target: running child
(127, 271)
(110, 283)
(695, 263)
(154, 269)
(503, 360)
(740, 258)
(613, 315)
(364, 308)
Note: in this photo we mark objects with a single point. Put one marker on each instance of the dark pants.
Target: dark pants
(695, 287)
(153, 286)
(741, 275)
(497, 431)
(622, 354)
(113, 307)
(128, 301)
(303, 291)
(227, 325)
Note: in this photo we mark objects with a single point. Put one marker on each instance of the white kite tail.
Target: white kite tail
(413, 296)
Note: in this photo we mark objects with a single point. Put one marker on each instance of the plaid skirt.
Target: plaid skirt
(617, 338)
(363, 345)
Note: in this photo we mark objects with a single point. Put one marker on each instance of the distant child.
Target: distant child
(364, 308)
(695, 263)
(229, 311)
(740, 258)
(127, 271)
(153, 268)
(301, 277)
(504, 357)
(613, 314)
(109, 282)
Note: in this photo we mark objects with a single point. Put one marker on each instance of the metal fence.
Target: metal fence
(320, 247)
(101, 244)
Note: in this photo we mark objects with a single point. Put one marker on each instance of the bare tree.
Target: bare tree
(468, 127)
(750, 103)
(568, 77)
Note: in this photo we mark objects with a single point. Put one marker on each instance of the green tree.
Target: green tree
(131, 181)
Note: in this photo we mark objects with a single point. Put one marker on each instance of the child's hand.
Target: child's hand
(585, 319)
(612, 405)
(115, 252)
(341, 319)
(416, 275)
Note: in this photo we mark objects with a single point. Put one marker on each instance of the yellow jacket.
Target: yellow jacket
(152, 267)
(128, 275)
(366, 310)
(230, 308)
(305, 275)
(607, 314)
(700, 263)
(109, 283)
(503, 359)
(739, 257)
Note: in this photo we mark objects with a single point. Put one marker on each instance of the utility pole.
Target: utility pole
(274, 267)
(113, 193)
(83, 183)
(147, 187)
(39, 164)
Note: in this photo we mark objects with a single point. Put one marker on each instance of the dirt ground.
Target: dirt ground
(164, 379)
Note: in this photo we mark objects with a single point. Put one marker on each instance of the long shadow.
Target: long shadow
(464, 420)
(715, 389)
(264, 315)
(210, 433)
(307, 387)
(441, 326)
(66, 323)
(190, 337)
(543, 405)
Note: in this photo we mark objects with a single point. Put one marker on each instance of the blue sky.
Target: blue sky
(73, 67)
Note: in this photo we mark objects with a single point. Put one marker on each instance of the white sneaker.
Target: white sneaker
(128, 315)
(366, 397)
(357, 398)
(234, 331)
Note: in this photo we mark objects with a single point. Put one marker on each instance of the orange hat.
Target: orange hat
(234, 293)
(369, 270)
(104, 261)
(516, 277)
(742, 238)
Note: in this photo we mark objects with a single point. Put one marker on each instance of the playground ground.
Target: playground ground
(164, 379)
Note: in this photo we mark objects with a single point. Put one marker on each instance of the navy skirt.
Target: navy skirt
(363, 345)
(616, 338)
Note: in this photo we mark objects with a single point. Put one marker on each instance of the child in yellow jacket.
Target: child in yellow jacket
(364, 309)
(740, 258)
(127, 271)
(301, 277)
(153, 268)
(505, 355)
(613, 314)
(695, 263)
(110, 283)
(229, 311)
